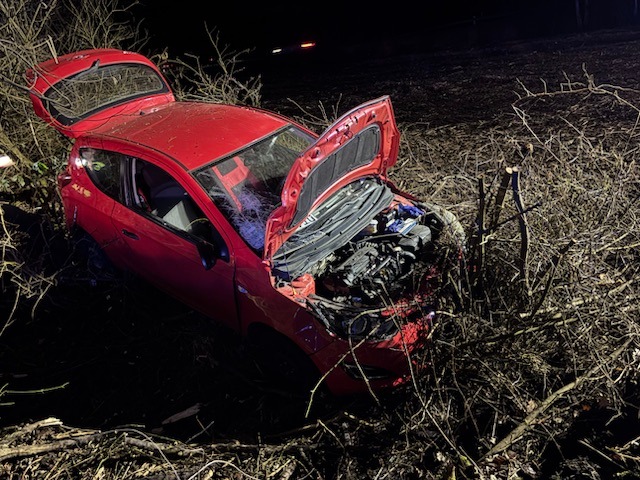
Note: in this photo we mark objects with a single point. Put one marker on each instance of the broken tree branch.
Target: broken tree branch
(524, 228)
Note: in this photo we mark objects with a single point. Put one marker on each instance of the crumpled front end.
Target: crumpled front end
(355, 366)
(367, 268)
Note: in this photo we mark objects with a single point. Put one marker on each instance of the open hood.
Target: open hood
(362, 143)
(80, 92)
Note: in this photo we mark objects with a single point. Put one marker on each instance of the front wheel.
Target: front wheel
(282, 362)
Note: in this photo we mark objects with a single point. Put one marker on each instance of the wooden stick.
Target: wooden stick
(524, 228)
(478, 246)
(500, 195)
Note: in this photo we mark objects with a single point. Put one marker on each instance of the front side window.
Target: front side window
(103, 168)
(247, 185)
(156, 193)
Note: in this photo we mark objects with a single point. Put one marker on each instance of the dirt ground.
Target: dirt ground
(113, 354)
(477, 85)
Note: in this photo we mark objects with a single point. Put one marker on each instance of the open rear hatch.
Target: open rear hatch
(82, 91)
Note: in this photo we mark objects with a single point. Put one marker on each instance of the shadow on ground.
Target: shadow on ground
(113, 351)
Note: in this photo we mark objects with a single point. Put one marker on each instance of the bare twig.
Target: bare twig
(530, 420)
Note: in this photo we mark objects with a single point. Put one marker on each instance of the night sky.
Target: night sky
(430, 24)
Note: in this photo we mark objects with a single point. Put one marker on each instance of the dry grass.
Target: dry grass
(551, 328)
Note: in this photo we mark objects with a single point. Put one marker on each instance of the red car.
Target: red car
(299, 242)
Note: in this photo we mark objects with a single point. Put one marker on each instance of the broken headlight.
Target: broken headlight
(360, 372)
(365, 325)
(349, 321)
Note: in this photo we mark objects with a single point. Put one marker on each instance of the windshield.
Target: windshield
(247, 186)
(97, 88)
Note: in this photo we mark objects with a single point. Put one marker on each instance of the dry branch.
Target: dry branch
(499, 200)
(524, 229)
(531, 419)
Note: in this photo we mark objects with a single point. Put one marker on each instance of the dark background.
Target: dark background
(368, 29)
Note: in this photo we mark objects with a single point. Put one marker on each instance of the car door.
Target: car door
(161, 227)
(93, 191)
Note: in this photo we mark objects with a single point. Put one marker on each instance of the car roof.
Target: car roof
(195, 133)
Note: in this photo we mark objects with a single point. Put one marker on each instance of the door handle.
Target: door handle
(130, 234)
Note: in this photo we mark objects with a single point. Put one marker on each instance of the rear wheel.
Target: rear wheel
(90, 257)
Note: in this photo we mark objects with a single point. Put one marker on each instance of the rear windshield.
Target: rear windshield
(97, 88)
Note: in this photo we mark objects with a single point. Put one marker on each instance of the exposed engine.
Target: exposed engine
(381, 261)
(363, 260)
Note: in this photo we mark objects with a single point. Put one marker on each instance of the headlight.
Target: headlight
(359, 372)
(371, 327)
(357, 327)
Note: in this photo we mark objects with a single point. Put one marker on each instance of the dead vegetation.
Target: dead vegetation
(31, 32)
(535, 362)
(192, 79)
(547, 331)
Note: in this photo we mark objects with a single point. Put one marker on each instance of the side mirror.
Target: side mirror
(209, 254)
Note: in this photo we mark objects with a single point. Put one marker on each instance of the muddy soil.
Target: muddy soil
(459, 86)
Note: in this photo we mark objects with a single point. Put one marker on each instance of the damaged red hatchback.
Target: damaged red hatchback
(300, 242)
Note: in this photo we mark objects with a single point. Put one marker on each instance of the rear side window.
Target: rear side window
(103, 168)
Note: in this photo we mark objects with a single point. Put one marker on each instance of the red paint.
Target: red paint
(179, 138)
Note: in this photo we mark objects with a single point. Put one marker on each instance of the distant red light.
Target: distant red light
(307, 44)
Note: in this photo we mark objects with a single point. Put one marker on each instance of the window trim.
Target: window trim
(91, 172)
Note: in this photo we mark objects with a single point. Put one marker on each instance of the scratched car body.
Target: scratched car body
(298, 241)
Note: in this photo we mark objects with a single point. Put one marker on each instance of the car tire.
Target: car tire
(282, 362)
(91, 257)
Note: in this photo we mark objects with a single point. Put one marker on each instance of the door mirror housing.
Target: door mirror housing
(209, 254)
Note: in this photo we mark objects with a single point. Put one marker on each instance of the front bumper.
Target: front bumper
(357, 366)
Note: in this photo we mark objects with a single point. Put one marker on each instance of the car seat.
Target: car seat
(166, 198)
